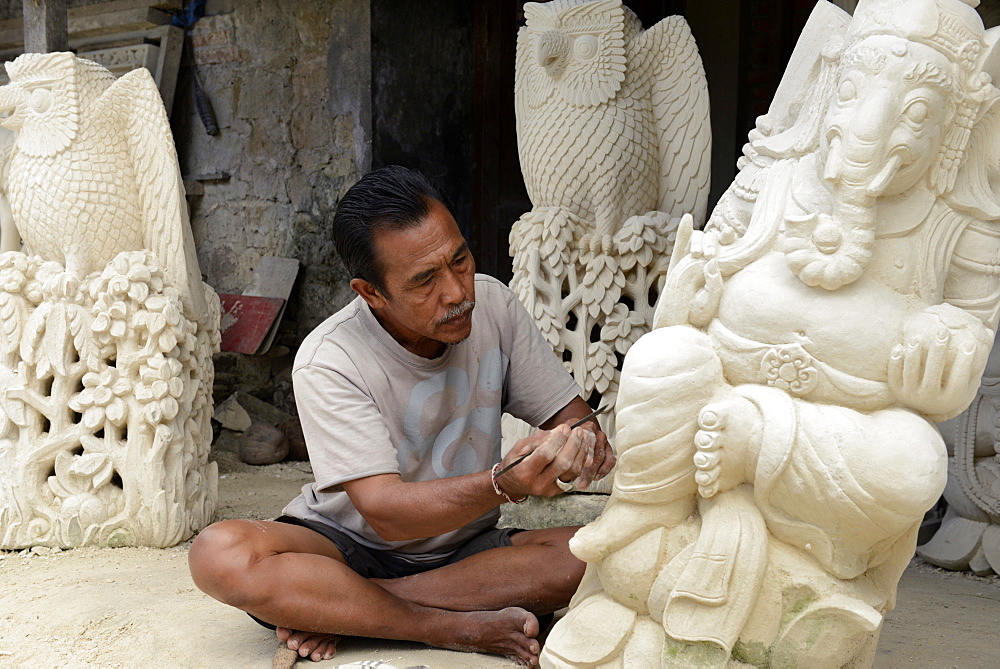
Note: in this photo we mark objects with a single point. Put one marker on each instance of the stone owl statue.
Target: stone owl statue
(612, 121)
(93, 171)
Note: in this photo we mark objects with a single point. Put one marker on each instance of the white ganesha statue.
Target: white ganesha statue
(776, 437)
(106, 329)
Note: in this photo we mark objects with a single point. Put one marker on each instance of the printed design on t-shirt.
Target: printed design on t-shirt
(454, 418)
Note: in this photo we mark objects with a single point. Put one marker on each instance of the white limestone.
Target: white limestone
(106, 329)
(776, 445)
(614, 141)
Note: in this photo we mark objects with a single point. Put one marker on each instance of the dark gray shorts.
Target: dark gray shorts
(372, 563)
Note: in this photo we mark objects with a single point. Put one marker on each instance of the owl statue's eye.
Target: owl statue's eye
(585, 47)
(40, 100)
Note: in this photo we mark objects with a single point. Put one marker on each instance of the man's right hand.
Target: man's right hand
(559, 453)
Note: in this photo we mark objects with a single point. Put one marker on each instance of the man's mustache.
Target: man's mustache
(457, 311)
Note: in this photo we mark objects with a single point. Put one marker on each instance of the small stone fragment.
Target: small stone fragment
(232, 416)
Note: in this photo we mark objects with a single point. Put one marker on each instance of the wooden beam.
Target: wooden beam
(45, 26)
(90, 23)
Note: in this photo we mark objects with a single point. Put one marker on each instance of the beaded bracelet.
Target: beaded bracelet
(496, 487)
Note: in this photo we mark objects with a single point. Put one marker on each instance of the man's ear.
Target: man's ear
(368, 292)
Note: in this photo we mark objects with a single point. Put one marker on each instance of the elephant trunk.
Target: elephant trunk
(831, 250)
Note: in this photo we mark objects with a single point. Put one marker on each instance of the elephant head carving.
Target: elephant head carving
(898, 96)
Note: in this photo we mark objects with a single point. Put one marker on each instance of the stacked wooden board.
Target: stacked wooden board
(121, 35)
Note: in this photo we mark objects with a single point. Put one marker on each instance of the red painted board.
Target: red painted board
(246, 320)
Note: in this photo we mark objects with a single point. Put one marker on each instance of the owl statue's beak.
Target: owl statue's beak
(551, 51)
(11, 99)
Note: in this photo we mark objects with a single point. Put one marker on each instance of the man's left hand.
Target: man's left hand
(595, 468)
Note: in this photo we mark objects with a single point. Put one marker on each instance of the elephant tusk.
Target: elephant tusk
(885, 176)
(831, 170)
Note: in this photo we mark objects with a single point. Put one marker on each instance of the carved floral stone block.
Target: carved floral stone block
(106, 329)
(776, 429)
(614, 141)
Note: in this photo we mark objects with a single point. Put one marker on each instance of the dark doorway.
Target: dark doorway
(443, 95)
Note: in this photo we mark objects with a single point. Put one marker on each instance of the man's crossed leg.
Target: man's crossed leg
(297, 579)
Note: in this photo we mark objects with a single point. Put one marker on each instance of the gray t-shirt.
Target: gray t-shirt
(368, 406)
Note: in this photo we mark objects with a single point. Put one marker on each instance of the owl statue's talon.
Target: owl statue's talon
(63, 285)
(597, 244)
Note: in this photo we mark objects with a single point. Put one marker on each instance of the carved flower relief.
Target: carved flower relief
(110, 320)
(13, 271)
(789, 368)
(623, 327)
(102, 398)
(162, 320)
(160, 386)
(78, 483)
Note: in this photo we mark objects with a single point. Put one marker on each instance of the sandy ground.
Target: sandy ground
(135, 607)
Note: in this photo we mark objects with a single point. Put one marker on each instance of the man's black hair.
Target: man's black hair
(387, 198)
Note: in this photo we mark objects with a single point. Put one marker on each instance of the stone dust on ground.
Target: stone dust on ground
(137, 607)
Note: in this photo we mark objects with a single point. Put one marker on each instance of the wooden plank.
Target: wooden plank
(91, 26)
(169, 63)
(123, 6)
(44, 26)
(273, 277)
(116, 22)
(246, 320)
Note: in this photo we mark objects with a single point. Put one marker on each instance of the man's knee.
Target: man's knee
(556, 539)
(219, 559)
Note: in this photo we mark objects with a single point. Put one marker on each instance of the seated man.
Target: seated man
(400, 396)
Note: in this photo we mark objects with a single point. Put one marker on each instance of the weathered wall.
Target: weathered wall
(289, 84)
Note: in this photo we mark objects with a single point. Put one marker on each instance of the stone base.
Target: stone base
(537, 513)
(106, 406)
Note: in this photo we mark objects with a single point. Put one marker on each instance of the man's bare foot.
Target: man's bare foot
(313, 645)
(509, 632)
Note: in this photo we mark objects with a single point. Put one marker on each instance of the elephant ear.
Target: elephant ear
(977, 185)
(791, 125)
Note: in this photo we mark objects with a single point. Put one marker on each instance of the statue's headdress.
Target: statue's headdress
(951, 27)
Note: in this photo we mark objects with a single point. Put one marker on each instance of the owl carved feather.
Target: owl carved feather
(94, 172)
(160, 188)
(612, 121)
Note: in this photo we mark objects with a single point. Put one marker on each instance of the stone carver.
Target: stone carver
(776, 445)
(614, 141)
(106, 329)
(400, 395)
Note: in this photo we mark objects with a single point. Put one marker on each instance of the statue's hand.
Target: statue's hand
(937, 365)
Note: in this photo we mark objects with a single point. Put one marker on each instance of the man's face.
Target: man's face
(429, 277)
